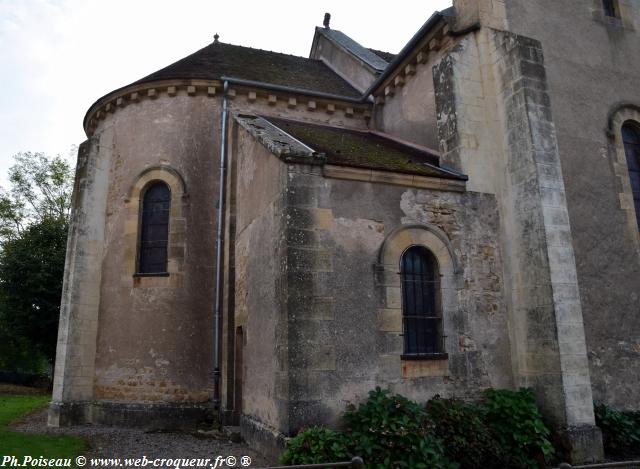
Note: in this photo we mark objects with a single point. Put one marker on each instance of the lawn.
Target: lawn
(21, 444)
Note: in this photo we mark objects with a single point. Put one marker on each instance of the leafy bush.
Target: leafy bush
(505, 430)
(390, 431)
(467, 439)
(316, 445)
(620, 430)
(517, 425)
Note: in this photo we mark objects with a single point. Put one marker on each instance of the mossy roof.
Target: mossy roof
(363, 149)
(219, 59)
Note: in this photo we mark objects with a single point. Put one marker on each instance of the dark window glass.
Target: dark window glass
(422, 322)
(154, 230)
(610, 8)
(631, 139)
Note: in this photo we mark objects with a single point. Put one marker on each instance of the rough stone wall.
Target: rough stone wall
(155, 333)
(341, 341)
(494, 83)
(592, 69)
(410, 113)
(74, 368)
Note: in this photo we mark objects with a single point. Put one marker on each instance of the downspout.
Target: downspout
(219, 240)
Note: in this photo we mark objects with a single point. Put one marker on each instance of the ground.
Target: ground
(113, 442)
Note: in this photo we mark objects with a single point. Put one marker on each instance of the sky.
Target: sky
(58, 56)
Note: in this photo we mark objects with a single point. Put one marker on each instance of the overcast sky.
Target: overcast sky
(58, 56)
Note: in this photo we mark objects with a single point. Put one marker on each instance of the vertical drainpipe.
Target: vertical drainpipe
(219, 240)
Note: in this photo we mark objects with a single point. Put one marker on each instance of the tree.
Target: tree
(34, 218)
(41, 189)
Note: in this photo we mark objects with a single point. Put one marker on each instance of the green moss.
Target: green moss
(363, 149)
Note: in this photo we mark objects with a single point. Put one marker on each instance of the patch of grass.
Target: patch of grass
(12, 443)
(15, 389)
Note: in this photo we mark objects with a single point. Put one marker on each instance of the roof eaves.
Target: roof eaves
(374, 61)
(407, 49)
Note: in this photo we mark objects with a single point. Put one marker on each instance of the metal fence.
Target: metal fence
(355, 463)
(604, 465)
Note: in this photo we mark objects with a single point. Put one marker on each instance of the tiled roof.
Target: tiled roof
(356, 148)
(219, 59)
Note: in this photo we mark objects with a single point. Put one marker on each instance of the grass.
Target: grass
(13, 407)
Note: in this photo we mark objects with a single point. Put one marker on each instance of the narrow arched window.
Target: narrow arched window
(422, 321)
(631, 139)
(610, 8)
(154, 229)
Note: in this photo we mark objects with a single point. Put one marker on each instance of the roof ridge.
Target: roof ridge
(258, 49)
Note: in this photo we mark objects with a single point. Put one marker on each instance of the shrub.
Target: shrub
(620, 430)
(467, 439)
(390, 431)
(316, 445)
(517, 425)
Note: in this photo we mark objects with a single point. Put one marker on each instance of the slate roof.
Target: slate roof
(219, 59)
(356, 148)
(371, 58)
(386, 56)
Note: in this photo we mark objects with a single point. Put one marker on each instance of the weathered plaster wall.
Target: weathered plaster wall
(256, 275)
(359, 74)
(344, 320)
(591, 69)
(410, 113)
(155, 333)
(259, 271)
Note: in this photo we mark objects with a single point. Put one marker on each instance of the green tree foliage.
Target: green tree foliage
(34, 216)
(41, 189)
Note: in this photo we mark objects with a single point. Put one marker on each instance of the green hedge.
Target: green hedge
(620, 430)
(504, 429)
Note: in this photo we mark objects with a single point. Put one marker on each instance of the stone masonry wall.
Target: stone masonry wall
(591, 74)
(344, 319)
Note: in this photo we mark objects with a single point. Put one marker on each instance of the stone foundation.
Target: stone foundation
(137, 415)
(582, 444)
(267, 441)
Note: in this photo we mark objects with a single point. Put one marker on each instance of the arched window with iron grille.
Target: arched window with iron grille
(154, 229)
(631, 140)
(421, 317)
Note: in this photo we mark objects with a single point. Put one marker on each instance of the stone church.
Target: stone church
(265, 238)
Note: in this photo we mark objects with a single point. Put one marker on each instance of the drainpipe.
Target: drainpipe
(219, 240)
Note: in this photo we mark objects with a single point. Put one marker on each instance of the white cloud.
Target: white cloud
(58, 56)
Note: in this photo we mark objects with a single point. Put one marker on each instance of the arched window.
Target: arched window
(631, 140)
(422, 321)
(611, 8)
(154, 229)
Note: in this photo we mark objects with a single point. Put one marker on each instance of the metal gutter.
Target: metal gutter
(290, 89)
(406, 50)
